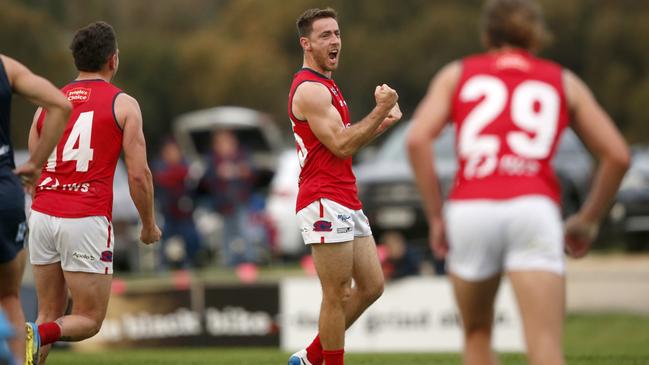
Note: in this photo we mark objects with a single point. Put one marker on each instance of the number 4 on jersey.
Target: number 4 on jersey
(79, 137)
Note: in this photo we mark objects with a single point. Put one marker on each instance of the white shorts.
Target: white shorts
(487, 236)
(325, 221)
(80, 244)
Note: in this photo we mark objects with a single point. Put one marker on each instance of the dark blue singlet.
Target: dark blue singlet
(12, 197)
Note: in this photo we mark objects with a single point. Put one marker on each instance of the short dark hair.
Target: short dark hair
(517, 23)
(92, 45)
(305, 21)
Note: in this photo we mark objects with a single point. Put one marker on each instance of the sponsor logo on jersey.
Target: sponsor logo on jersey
(54, 184)
(78, 95)
(344, 218)
(322, 226)
(83, 256)
(107, 256)
(344, 230)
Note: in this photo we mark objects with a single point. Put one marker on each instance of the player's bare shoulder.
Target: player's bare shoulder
(450, 74)
(126, 108)
(310, 96)
(575, 89)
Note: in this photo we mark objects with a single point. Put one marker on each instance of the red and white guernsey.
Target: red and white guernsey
(77, 180)
(510, 110)
(323, 175)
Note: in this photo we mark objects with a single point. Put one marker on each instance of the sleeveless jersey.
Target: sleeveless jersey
(6, 150)
(77, 180)
(509, 110)
(323, 174)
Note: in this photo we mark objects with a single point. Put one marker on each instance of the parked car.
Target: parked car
(629, 215)
(255, 131)
(281, 205)
(391, 200)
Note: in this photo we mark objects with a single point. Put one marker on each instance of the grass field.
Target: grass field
(602, 339)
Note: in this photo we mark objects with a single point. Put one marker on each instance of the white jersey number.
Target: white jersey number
(301, 148)
(534, 109)
(79, 137)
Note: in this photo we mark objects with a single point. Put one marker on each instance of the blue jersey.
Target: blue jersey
(12, 198)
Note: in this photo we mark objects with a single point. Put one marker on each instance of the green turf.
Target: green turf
(593, 339)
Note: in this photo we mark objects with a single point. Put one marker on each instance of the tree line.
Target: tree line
(181, 55)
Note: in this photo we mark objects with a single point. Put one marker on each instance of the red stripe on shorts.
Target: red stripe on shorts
(108, 240)
(106, 271)
(321, 208)
(322, 239)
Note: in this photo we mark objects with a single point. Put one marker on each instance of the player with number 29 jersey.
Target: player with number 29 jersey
(77, 180)
(510, 110)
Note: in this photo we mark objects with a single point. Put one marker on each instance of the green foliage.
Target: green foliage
(180, 55)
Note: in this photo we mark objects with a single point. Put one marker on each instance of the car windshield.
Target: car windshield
(394, 147)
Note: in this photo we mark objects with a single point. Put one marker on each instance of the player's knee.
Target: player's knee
(94, 328)
(377, 290)
(372, 292)
(337, 294)
(477, 329)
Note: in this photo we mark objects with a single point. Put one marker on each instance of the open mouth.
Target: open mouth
(333, 55)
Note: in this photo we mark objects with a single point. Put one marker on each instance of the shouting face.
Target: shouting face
(324, 44)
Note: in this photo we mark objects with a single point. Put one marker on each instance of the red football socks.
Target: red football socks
(314, 351)
(49, 332)
(334, 357)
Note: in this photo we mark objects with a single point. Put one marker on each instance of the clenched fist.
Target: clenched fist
(579, 235)
(385, 96)
(150, 235)
(393, 117)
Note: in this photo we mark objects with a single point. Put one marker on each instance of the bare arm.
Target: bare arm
(34, 137)
(597, 130)
(42, 93)
(429, 119)
(140, 181)
(312, 101)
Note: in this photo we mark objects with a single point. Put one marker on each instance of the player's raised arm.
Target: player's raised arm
(42, 93)
(312, 101)
(140, 180)
(597, 130)
(429, 119)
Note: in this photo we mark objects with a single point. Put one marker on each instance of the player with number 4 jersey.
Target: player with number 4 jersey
(77, 180)
(509, 109)
(71, 240)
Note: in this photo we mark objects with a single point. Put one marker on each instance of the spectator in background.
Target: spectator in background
(230, 179)
(173, 192)
(400, 259)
